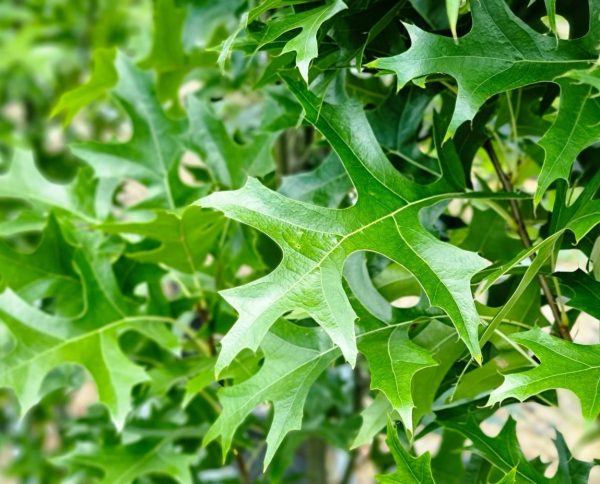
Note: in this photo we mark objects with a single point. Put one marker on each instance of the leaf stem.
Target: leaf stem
(560, 321)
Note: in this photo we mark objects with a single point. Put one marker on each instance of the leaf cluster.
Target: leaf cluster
(272, 229)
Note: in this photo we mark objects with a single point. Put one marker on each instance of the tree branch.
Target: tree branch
(560, 324)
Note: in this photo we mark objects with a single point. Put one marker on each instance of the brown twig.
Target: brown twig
(560, 325)
(242, 468)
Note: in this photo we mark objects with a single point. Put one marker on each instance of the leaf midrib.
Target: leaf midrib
(81, 337)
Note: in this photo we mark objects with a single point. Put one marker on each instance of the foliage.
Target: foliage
(245, 234)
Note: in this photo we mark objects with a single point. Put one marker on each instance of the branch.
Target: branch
(560, 323)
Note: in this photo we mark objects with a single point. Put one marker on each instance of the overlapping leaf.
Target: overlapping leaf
(294, 358)
(504, 453)
(393, 360)
(42, 342)
(576, 127)
(23, 181)
(229, 161)
(563, 365)
(326, 185)
(47, 271)
(304, 44)
(409, 469)
(123, 464)
(584, 292)
(512, 56)
(503, 450)
(103, 77)
(152, 155)
(185, 239)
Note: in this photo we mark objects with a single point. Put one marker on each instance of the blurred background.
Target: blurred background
(48, 48)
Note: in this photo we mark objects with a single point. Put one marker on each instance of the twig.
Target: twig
(560, 322)
(349, 470)
(243, 470)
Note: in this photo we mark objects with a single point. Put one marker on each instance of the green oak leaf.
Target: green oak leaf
(167, 56)
(433, 13)
(503, 450)
(304, 43)
(569, 468)
(204, 375)
(123, 464)
(563, 364)
(23, 181)
(152, 155)
(452, 9)
(199, 370)
(267, 5)
(397, 124)
(584, 289)
(591, 76)
(440, 340)
(409, 469)
(42, 342)
(45, 271)
(294, 358)
(576, 127)
(488, 236)
(185, 238)
(316, 241)
(447, 466)
(512, 56)
(580, 216)
(509, 477)
(488, 376)
(551, 11)
(393, 360)
(26, 221)
(103, 77)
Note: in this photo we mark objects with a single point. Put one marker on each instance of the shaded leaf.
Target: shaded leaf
(585, 291)
(502, 451)
(326, 185)
(393, 360)
(152, 155)
(304, 44)
(513, 56)
(123, 464)
(103, 77)
(294, 358)
(409, 469)
(42, 341)
(576, 127)
(229, 161)
(23, 181)
(185, 238)
(374, 418)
